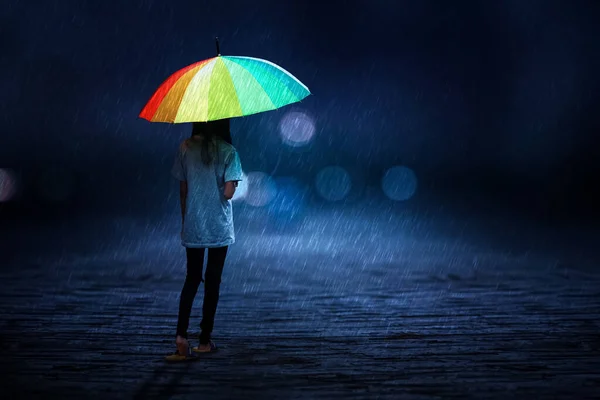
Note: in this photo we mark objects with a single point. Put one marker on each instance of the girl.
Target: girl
(208, 169)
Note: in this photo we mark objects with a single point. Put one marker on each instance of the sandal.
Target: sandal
(182, 353)
(176, 357)
(211, 349)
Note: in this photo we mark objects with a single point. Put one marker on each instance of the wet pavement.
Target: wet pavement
(314, 314)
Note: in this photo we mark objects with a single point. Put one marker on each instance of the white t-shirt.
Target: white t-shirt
(208, 219)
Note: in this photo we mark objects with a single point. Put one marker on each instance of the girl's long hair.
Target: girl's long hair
(206, 135)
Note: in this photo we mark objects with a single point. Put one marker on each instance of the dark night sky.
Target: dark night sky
(472, 95)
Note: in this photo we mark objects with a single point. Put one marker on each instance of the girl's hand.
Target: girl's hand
(229, 189)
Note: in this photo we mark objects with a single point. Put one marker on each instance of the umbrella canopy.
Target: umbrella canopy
(223, 87)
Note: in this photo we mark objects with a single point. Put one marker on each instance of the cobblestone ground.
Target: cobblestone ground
(322, 316)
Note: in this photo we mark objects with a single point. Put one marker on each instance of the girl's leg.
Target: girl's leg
(195, 261)
(214, 270)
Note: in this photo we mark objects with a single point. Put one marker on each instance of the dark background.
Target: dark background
(491, 103)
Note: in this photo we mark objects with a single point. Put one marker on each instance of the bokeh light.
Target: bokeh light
(333, 183)
(296, 128)
(399, 183)
(261, 189)
(56, 184)
(8, 185)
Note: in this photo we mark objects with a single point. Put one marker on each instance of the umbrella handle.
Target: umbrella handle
(218, 48)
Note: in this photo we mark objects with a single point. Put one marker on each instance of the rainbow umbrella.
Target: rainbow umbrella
(223, 87)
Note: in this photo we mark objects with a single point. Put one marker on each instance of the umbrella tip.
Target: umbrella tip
(218, 48)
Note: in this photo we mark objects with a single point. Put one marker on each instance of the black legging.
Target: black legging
(212, 282)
